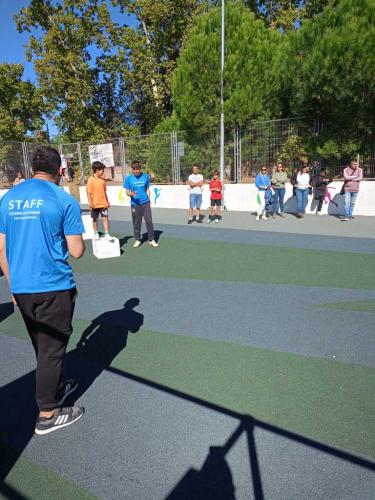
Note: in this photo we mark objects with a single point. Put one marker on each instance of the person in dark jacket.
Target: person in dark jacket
(321, 182)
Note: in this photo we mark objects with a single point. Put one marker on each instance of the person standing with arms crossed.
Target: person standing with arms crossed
(216, 188)
(353, 176)
(40, 225)
(137, 186)
(195, 183)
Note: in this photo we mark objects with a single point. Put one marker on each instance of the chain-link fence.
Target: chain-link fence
(168, 157)
(12, 162)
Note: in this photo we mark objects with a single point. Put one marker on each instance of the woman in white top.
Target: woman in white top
(303, 184)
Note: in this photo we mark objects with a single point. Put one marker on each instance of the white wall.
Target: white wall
(243, 197)
(4, 191)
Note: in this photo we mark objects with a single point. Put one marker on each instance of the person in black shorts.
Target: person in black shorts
(98, 199)
(216, 188)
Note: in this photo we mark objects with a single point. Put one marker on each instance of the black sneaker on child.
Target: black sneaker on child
(190, 221)
(69, 386)
(61, 418)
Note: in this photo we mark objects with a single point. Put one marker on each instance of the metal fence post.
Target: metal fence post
(26, 161)
(82, 174)
(121, 142)
(178, 161)
(239, 178)
(174, 173)
(237, 155)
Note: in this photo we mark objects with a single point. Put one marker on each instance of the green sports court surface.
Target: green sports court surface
(236, 361)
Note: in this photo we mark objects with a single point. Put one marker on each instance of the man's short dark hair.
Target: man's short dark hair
(97, 165)
(135, 164)
(46, 159)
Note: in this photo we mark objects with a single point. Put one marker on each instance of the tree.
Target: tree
(127, 83)
(21, 105)
(252, 62)
(62, 59)
(330, 74)
(148, 53)
(286, 15)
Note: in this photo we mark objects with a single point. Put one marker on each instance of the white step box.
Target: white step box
(87, 224)
(106, 249)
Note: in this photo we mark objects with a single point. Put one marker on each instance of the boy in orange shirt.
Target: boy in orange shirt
(98, 200)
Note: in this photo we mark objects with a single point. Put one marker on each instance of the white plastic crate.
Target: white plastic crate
(105, 249)
(89, 231)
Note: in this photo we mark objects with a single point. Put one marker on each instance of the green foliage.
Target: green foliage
(21, 105)
(67, 80)
(148, 53)
(253, 56)
(287, 15)
(293, 149)
(331, 77)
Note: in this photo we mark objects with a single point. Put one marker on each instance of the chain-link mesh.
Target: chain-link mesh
(11, 162)
(295, 142)
(206, 153)
(154, 151)
(169, 157)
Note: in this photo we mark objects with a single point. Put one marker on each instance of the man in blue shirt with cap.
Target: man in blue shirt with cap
(40, 225)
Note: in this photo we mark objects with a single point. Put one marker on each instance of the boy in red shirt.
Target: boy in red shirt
(216, 188)
(98, 200)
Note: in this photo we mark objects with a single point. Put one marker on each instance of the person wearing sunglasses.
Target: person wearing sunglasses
(263, 183)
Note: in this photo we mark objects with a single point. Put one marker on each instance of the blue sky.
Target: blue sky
(12, 43)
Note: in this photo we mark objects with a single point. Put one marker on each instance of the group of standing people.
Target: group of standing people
(271, 190)
(137, 187)
(195, 185)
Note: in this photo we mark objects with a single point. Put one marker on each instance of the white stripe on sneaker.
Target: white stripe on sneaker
(60, 419)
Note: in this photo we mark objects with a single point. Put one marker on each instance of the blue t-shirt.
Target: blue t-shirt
(140, 185)
(35, 216)
(262, 180)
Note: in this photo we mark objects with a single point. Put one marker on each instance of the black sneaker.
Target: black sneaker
(62, 418)
(199, 221)
(190, 221)
(69, 386)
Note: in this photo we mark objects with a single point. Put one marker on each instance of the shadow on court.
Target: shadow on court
(99, 345)
(6, 310)
(125, 239)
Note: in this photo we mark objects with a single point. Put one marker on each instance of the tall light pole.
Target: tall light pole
(222, 94)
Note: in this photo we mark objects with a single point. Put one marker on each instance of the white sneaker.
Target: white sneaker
(153, 243)
(137, 244)
(264, 217)
(96, 237)
(257, 217)
(318, 213)
(108, 237)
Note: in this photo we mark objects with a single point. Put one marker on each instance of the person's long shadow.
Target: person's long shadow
(6, 310)
(100, 343)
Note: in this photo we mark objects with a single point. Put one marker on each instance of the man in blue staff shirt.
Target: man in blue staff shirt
(40, 225)
(137, 186)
